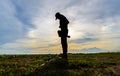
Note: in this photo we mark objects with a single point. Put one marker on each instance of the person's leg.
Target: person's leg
(64, 46)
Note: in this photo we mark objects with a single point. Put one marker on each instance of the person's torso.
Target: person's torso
(63, 23)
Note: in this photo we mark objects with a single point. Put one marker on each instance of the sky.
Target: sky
(29, 26)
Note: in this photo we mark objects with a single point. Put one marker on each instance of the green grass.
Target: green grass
(21, 65)
(101, 64)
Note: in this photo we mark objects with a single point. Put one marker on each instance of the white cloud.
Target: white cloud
(96, 17)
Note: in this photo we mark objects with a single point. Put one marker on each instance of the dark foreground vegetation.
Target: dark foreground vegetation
(101, 64)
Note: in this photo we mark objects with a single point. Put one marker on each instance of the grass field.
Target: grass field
(21, 65)
(101, 64)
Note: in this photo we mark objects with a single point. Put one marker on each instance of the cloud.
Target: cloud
(84, 40)
(31, 24)
(87, 38)
(11, 27)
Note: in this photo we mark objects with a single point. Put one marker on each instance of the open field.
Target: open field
(101, 64)
(21, 65)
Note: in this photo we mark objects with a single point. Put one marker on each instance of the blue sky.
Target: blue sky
(29, 26)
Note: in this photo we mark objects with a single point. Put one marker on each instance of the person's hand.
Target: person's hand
(68, 36)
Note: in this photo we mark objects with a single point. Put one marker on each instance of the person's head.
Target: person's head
(57, 15)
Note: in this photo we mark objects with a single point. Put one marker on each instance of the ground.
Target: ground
(100, 64)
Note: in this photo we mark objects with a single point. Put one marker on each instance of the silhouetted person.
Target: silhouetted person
(63, 33)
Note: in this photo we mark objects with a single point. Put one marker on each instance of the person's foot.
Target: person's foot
(64, 56)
